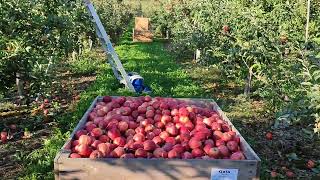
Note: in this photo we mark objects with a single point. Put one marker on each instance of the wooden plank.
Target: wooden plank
(155, 169)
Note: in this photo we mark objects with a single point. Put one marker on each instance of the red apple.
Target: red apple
(208, 121)
(179, 148)
(183, 112)
(160, 153)
(149, 145)
(311, 164)
(163, 106)
(185, 137)
(4, 137)
(174, 112)
(209, 141)
(125, 111)
(214, 152)
(269, 136)
(200, 135)
(95, 154)
(147, 98)
(157, 118)
(232, 146)
(104, 148)
(167, 147)
(142, 109)
(207, 148)
(150, 135)
(157, 140)
(237, 156)
(95, 144)
(90, 127)
(120, 141)
(149, 127)
(184, 119)
(164, 135)
(130, 132)
(113, 133)
(157, 131)
(75, 143)
(197, 152)
(123, 126)
(96, 132)
(107, 99)
(217, 134)
(170, 140)
(184, 130)
(289, 174)
(75, 155)
(150, 114)
(104, 138)
(84, 150)
(194, 143)
(225, 128)
(141, 153)
(140, 130)
(139, 137)
(173, 154)
(127, 156)
(273, 174)
(85, 140)
(135, 114)
(136, 145)
(215, 126)
(79, 133)
(172, 130)
(189, 125)
(224, 150)
(165, 119)
(187, 155)
(133, 125)
(117, 152)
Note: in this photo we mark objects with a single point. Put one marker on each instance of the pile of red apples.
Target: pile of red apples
(145, 127)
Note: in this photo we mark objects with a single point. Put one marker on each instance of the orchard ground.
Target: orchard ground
(29, 153)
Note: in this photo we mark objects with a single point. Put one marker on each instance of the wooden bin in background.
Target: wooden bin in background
(142, 30)
(153, 169)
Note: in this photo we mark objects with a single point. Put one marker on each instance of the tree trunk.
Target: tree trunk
(19, 84)
(307, 24)
(247, 88)
(167, 34)
(197, 55)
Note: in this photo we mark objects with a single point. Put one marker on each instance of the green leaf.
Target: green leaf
(292, 156)
(28, 48)
(316, 170)
(306, 83)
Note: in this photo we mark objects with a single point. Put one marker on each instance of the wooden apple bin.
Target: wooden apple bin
(153, 169)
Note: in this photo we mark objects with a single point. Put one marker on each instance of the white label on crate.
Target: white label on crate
(224, 174)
